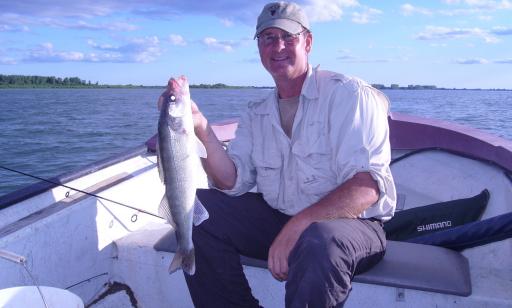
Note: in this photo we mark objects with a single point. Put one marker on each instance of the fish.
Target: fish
(178, 158)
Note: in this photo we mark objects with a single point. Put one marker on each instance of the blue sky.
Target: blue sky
(448, 43)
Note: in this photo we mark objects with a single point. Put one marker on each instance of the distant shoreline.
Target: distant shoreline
(42, 82)
(221, 88)
(125, 87)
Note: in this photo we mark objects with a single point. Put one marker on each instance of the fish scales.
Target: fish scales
(176, 162)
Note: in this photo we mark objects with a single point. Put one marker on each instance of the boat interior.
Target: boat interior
(96, 232)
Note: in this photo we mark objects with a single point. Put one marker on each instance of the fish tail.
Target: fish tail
(185, 260)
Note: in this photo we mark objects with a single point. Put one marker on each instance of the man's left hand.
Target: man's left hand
(282, 246)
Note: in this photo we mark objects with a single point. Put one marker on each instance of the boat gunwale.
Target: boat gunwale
(39, 187)
(452, 137)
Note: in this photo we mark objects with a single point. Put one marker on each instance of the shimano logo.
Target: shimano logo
(434, 226)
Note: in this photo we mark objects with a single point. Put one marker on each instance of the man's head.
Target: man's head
(284, 40)
(286, 16)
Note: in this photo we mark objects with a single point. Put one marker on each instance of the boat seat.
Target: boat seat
(405, 265)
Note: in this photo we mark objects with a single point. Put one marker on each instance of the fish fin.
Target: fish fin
(200, 212)
(159, 164)
(185, 260)
(165, 212)
(200, 149)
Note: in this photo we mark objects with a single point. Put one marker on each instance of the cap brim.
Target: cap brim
(283, 24)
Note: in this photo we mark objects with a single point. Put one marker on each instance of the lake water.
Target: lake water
(47, 132)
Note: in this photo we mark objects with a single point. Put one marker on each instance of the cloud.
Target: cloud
(17, 23)
(177, 40)
(472, 61)
(46, 53)
(61, 8)
(227, 22)
(366, 16)
(83, 25)
(483, 61)
(228, 11)
(408, 10)
(501, 30)
(444, 33)
(490, 4)
(141, 50)
(226, 46)
(347, 57)
(327, 10)
(138, 50)
(503, 61)
(10, 28)
(7, 61)
(474, 7)
(13, 23)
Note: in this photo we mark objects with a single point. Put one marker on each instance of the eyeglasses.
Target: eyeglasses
(290, 39)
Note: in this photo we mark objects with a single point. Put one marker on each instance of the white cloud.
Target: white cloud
(227, 22)
(212, 42)
(485, 17)
(490, 4)
(444, 33)
(472, 61)
(366, 16)
(439, 45)
(347, 57)
(139, 50)
(7, 61)
(408, 10)
(13, 23)
(46, 53)
(61, 8)
(503, 61)
(501, 30)
(327, 10)
(177, 40)
(83, 25)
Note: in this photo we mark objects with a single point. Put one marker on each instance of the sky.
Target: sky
(446, 43)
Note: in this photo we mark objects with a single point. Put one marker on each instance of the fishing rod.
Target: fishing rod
(80, 191)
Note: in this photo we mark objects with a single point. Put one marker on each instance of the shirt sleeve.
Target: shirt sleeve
(239, 150)
(361, 142)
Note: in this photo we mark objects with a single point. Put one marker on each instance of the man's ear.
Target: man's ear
(309, 42)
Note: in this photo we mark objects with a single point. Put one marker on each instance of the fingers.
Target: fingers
(161, 100)
(278, 264)
(195, 109)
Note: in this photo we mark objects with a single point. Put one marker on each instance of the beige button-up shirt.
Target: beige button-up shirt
(340, 129)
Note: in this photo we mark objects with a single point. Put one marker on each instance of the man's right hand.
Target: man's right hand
(219, 167)
(200, 121)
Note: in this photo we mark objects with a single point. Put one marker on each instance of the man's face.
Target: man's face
(284, 55)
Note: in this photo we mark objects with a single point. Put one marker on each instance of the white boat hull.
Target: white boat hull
(84, 244)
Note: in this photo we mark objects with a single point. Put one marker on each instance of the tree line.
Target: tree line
(14, 81)
(23, 81)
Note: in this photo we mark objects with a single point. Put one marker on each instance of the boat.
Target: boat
(95, 232)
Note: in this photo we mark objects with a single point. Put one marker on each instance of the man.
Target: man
(318, 151)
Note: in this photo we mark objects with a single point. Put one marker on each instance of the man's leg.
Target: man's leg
(327, 256)
(237, 225)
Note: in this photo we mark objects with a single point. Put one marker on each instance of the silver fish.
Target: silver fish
(177, 163)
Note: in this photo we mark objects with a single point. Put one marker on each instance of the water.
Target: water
(47, 132)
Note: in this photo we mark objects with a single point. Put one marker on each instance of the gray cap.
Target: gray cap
(287, 16)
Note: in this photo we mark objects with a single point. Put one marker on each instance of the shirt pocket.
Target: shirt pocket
(268, 165)
(314, 159)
